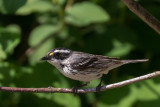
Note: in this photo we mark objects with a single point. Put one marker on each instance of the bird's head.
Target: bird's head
(57, 55)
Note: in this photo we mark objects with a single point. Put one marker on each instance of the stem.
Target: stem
(143, 14)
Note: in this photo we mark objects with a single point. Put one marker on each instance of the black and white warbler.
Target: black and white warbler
(83, 66)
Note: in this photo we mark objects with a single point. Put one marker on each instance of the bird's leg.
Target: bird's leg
(98, 88)
(75, 89)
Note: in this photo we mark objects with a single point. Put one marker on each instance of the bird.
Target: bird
(83, 66)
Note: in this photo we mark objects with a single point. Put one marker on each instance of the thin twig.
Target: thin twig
(143, 14)
(69, 4)
(88, 90)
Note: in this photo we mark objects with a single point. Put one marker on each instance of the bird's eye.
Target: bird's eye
(57, 55)
(61, 56)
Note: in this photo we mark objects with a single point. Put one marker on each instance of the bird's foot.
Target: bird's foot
(98, 88)
(75, 90)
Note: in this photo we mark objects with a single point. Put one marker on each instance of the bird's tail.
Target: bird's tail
(134, 61)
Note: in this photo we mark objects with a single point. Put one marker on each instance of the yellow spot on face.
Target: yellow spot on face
(51, 54)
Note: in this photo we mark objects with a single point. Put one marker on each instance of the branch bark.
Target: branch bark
(88, 90)
(143, 14)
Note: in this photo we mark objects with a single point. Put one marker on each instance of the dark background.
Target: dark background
(30, 28)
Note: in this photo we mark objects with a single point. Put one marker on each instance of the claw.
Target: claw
(75, 90)
(98, 88)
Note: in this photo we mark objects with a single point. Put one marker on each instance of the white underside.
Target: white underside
(82, 77)
(78, 76)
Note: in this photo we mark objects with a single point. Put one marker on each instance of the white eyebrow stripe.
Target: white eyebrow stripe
(62, 51)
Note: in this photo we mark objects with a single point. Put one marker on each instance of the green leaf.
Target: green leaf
(125, 97)
(149, 94)
(39, 37)
(2, 53)
(35, 75)
(7, 74)
(36, 6)
(9, 39)
(139, 94)
(41, 51)
(120, 49)
(69, 100)
(85, 13)
(40, 33)
(52, 78)
(149, 88)
(11, 6)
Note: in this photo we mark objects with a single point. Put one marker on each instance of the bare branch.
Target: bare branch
(88, 90)
(143, 14)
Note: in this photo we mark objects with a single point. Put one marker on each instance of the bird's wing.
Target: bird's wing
(106, 57)
(84, 63)
(92, 62)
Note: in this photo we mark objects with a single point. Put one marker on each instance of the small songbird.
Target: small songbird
(83, 66)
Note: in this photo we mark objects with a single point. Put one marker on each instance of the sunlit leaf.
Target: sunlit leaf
(85, 13)
(69, 100)
(40, 33)
(149, 88)
(36, 6)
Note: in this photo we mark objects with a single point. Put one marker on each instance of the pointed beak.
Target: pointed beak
(44, 58)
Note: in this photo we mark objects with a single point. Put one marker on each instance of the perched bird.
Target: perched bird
(83, 66)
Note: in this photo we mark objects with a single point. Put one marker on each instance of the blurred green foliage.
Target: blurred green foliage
(30, 28)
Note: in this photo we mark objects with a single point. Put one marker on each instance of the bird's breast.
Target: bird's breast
(79, 75)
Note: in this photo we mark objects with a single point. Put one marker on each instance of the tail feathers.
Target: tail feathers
(134, 61)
